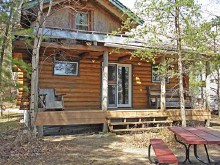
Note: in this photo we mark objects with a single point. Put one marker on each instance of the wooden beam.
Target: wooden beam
(75, 47)
(191, 114)
(22, 45)
(100, 58)
(124, 58)
(83, 55)
(70, 117)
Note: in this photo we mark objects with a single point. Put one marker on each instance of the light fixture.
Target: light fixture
(93, 60)
(89, 43)
(139, 63)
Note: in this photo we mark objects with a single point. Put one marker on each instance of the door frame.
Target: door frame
(129, 105)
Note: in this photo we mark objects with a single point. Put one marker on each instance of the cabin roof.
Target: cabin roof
(115, 3)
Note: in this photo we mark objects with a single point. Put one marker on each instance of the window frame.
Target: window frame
(155, 81)
(88, 20)
(66, 62)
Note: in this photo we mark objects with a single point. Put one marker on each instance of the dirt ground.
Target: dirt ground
(17, 146)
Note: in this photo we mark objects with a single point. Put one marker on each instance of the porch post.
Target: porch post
(105, 86)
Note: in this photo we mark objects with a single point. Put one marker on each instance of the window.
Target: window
(81, 21)
(156, 75)
(65, 68)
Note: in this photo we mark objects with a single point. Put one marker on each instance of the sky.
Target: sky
(209, 7)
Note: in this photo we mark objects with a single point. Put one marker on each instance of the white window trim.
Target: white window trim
(129, 86)
(85, 25)
(153, 81)
(77, 64)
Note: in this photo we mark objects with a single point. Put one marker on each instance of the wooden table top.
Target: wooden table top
(196, 135)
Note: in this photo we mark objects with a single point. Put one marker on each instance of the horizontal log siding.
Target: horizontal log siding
(141, 78)
(82, 91)
(22, 81)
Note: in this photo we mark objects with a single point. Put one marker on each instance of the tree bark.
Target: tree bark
(208, 87)
(35, 64)
(105, 87)
(218, 90)
(180, 65)
(218, 72)
(163, 90)
(3, 48)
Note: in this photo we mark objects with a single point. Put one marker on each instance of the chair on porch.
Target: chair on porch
(49, 100)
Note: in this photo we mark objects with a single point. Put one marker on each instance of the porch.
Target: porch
(133, 120)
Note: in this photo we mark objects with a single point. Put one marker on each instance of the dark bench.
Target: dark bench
(172, 98)
(163, 154)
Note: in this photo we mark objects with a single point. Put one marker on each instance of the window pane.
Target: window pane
(155, 74)
(123, 85)
(71, 68)
(65, 68)
(112, 89)
(59, 68)
(81, 19)
(112, 73)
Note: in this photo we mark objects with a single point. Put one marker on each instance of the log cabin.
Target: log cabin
(81, 58)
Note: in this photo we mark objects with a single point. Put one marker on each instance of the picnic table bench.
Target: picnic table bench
(163, 154)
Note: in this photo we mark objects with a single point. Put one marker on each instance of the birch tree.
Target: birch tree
(167, 25)
(215, 37)
(39, 28)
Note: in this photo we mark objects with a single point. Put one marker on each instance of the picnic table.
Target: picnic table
(188, 136)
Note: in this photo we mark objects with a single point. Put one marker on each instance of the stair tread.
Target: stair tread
(142, 122)
(141, 116)
(135, 129)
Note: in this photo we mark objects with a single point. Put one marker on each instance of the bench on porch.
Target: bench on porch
(172, 98)
(49, 100)
(163, 154)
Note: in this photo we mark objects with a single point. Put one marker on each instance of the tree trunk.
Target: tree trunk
(105, 87)
(180, 65)
(218, 91)
(35, 64)
(34, 73)
(1, 102)
(163, 90)
(163, 94)
(208, 87)
(3, 48)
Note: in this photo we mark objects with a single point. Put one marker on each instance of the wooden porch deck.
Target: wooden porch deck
(100, 117)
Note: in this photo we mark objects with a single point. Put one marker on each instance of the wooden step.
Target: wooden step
(133, 117)
(135, 129)
(142, 122)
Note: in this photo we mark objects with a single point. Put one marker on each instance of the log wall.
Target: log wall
(23, 81)
(141, 78)
(82, 91)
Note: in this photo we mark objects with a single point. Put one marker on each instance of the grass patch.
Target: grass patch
(10, 121)
(142, 140)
